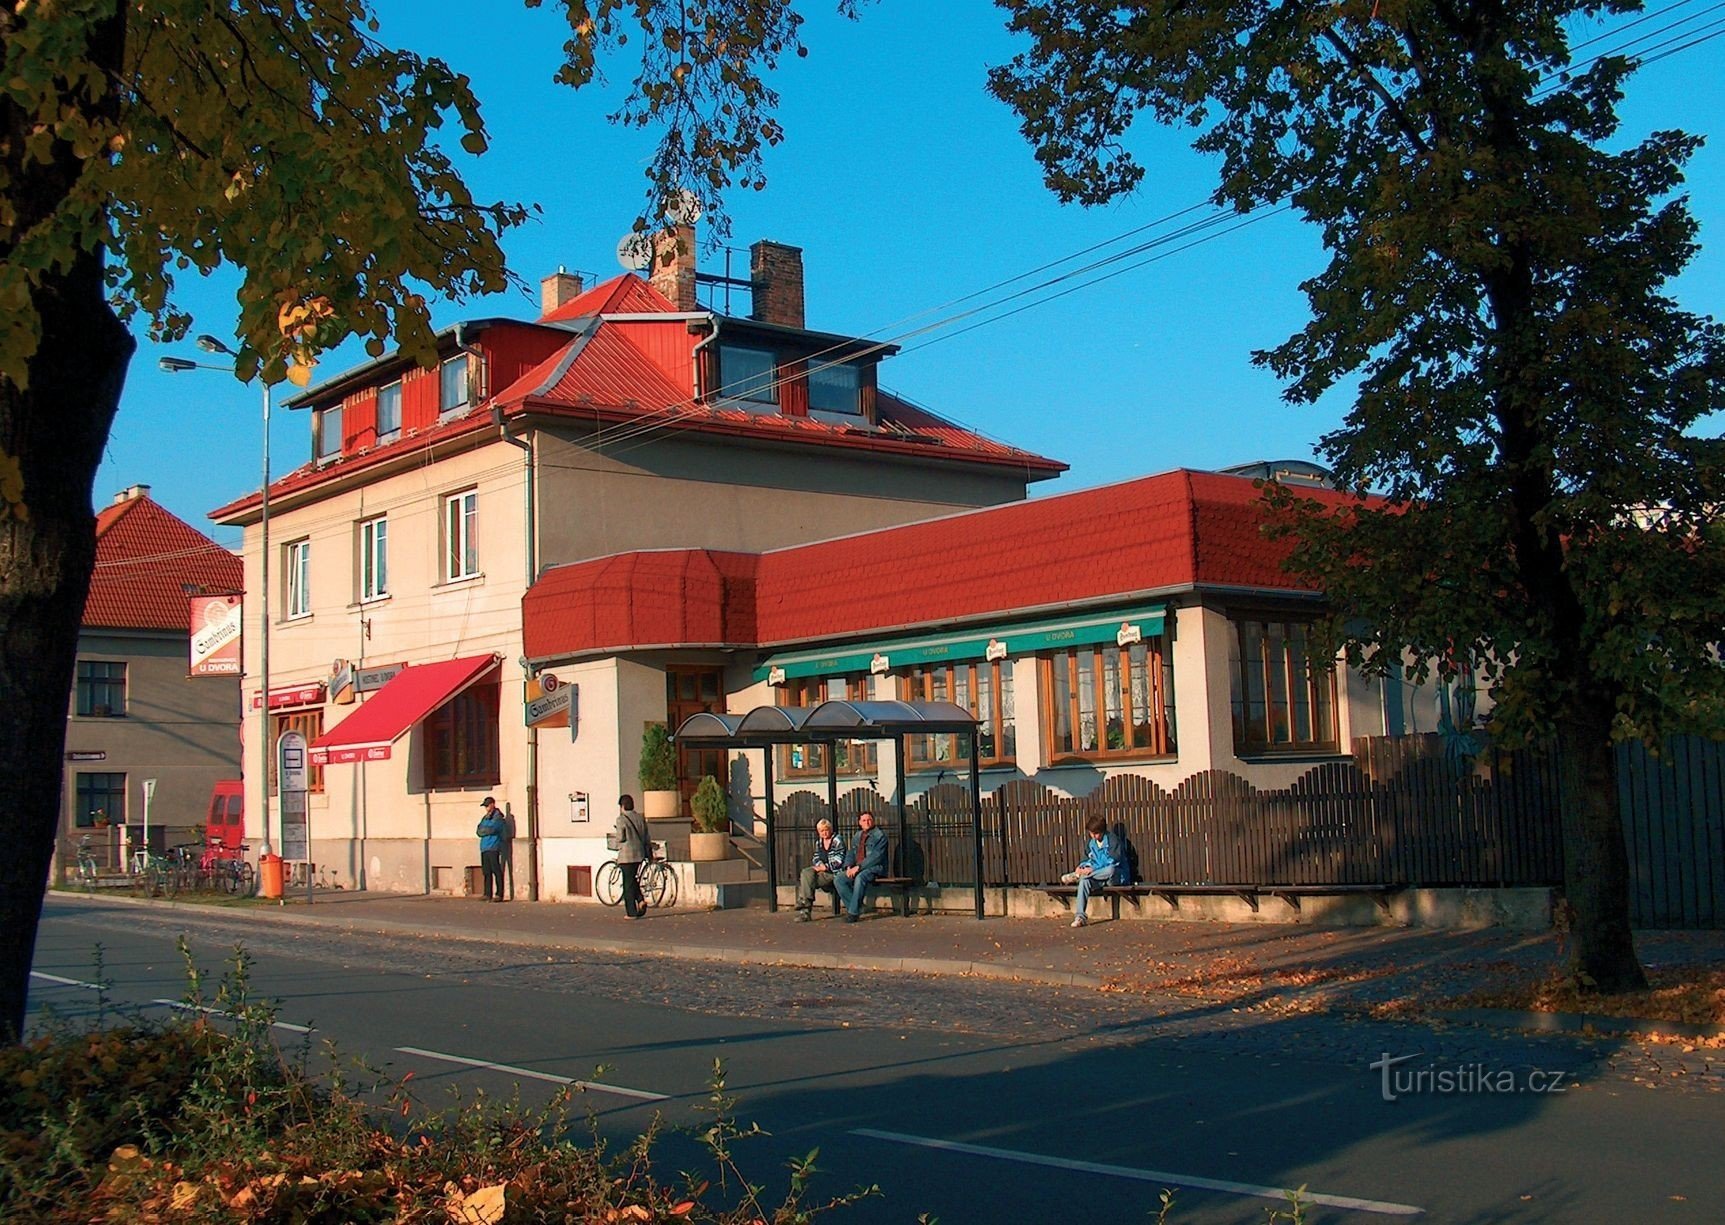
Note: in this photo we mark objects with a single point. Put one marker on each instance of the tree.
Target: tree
(139, 140)
(1527, 391)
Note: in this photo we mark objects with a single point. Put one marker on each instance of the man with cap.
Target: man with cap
(492, 831)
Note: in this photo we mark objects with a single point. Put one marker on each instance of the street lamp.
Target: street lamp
(176, 365)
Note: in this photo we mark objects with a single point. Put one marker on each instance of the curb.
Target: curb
(1588, 1024)
(935, 966)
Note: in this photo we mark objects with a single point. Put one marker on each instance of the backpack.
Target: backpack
(1125, 856)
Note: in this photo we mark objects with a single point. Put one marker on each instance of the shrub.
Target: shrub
(658, 759)
(712, 808)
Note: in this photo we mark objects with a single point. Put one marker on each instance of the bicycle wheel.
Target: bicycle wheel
(608, 883)
(246, 879)
(664, 885)
(149, 881)
(173, 879)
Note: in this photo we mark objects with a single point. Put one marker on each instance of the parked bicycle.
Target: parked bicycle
(159, 875)
(657, 877)
(226, 868)
(88, 874)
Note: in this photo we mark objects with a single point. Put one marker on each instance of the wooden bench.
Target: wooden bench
(900, 886)
(1291, 894)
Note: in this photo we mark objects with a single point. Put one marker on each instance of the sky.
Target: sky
(908, 188)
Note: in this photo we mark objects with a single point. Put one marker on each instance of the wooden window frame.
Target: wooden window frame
(471, 715)
(84, 811)
(1318, 688)
(916, 684)
(857, 758)
(91, 687)
(308, 722)
(1163, 742)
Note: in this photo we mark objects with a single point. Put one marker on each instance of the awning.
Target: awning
(982, 642)
(369, 732)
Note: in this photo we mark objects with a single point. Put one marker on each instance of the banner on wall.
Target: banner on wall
(215, 635)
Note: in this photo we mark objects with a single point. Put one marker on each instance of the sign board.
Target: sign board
(365, 680)
(351, 753)
(341, 690)
(294, 695)
(215, 637)
(579, 812)
(87, 755)
(551, 702)
(293, 777)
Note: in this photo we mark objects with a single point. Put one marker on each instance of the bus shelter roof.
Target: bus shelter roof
(835, 720)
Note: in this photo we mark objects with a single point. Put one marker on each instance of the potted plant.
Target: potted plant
(659, 798)
(712, 809)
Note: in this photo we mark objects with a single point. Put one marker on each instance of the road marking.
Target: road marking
(217, 1012)
(592, 1086)
(1156, 1176)
(65, 982)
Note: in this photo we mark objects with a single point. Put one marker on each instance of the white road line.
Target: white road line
(1155, 1176)
(65, 982)
(217, 1012)
(593, 1086)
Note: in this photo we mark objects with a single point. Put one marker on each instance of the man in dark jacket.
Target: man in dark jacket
(866, 861)
(633, 848)
(492, 831)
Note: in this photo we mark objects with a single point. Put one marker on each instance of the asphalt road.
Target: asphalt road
(973, 1100)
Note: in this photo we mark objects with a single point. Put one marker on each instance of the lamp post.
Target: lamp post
(175, 365)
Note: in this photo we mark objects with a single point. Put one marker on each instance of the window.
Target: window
(99, 797)
(297, 558)
(329, 433)
(101, 688)
(461, 740)
(461, 536)
(810, 760)
(452, 384)
(374, 559)
(835, 389)
(1284, 701)
(1108, 701)
(389, 412)
(308, 723)
(747, 374)
(984, 689)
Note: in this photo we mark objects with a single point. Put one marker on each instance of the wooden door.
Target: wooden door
(693, 690)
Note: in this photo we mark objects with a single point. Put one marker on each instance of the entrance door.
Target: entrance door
(693, 690)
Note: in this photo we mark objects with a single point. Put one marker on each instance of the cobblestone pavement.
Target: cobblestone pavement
(987, 1007)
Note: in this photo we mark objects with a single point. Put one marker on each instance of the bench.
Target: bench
(900, 886)
(1291, 894)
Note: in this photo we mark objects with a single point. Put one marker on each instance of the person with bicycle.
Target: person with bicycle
(829, 861)
(633, 847)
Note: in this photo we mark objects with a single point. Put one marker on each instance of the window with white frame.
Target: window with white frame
(452, 384)
(374, 558)
(296, 562)
(389, 412)
(329, 433)
(461, 535)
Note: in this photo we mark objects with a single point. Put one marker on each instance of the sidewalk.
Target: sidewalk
(1270, 966)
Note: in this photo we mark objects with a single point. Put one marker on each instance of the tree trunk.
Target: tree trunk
(1596, 860)
(56, 430)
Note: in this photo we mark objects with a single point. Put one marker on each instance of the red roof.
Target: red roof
(1156, 535)
(145, 560)
(639, 373)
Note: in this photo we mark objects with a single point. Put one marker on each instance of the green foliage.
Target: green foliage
(710, 806)
(658, 759)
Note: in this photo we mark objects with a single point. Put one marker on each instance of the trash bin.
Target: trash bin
(270, 876)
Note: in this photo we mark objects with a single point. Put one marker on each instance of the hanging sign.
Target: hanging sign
(215, 635)
(550, 702)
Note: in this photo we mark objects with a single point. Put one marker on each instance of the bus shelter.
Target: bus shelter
(767, 727)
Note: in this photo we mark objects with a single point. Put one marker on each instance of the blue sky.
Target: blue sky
(907, 187)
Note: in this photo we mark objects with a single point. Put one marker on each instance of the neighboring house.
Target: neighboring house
(136, 712)
(627, 417)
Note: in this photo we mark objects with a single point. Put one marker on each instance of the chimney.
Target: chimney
(130, 492)
(776, 280)
(673, 270)
(556, 289)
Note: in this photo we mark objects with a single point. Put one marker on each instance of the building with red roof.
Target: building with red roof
(137, 712)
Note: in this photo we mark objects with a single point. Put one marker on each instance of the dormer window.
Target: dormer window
(835, 388)
(329, 433)
(452, 384)
(389, 412)
(747, 374)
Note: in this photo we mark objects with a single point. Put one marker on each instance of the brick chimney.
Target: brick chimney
(776, 277)
(673, 270)
(556, 289)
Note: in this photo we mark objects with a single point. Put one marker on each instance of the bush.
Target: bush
(712, 808)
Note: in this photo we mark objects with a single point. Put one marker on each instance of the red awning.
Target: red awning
(413, 693)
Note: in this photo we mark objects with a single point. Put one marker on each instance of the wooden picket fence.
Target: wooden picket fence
(1405, 811)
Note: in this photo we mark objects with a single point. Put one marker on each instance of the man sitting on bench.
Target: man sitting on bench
(1096, 870)
(829, 861)
(866, 861)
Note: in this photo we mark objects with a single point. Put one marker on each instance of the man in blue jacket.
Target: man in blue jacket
(866, 861)
(493, 829)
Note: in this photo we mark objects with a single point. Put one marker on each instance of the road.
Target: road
(973, 1100)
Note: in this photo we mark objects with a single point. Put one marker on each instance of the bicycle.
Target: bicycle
(226, 868)
(658, 881)
(88, 874)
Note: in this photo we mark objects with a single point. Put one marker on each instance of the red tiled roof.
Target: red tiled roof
(655, 598)
(1159, 534)
(145, 559)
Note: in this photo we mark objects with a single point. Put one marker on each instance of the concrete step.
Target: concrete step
(728, 872)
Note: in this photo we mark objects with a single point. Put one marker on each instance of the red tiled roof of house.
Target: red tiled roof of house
(145, 559)
(1159, 534)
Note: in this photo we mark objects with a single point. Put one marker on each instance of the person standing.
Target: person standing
(632, 850)
(829, 861)
(492, 831)
(866, 861)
